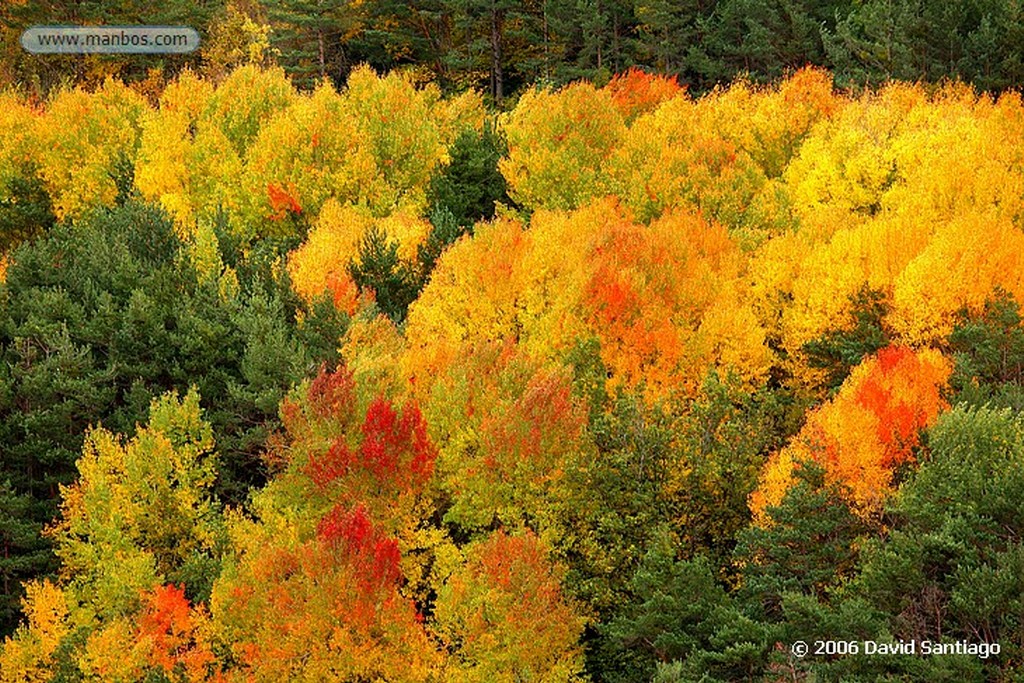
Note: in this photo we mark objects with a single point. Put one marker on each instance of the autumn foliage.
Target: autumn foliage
(871, 427)
(504, 615)
(686, 339)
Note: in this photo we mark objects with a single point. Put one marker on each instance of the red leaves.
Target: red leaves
(394, 450)
(335, 464)
(375, 556)
(282, 201)
(396, 445)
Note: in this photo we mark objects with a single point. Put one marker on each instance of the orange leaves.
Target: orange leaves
(648, 297)
(636, 92)
(282, 201)
(872, 426)
(471, 298)
(664, 300)
(314, 590)
(171, 634)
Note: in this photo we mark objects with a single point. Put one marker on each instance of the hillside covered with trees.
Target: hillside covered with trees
(382, 377)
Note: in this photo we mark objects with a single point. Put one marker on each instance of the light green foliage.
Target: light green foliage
(141, 510)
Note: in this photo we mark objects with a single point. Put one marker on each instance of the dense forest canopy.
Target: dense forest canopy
(502, 47)
(514, 341)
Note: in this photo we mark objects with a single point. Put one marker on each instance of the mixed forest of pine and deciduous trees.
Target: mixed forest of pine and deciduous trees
(377, 376)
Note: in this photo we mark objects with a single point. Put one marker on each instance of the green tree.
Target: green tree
(988, 350)
(681, 614)
(23, 553)
(839, 351)
(309, 35)
(951, 567)
(470, 186)
(103, 317)
(393, 282)
(498, 44)
(807, 549)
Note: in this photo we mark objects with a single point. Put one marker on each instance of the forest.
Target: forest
(419, 369)
(501, 47)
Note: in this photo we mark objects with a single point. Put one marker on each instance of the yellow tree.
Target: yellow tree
(193, 147)
(770, 123)
(18, 130)
(959, 269)
(166, 171)
(669, 160)
(87, 146)
(301, 156)
(559, 144)
(375, 145)
(959, 153)
(847, 163)
(140, 515)
(407, 131)
(471, 297)
(24, 203)
(29, 655)
(828, 273)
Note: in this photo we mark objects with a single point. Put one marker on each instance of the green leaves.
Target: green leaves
(394, 283)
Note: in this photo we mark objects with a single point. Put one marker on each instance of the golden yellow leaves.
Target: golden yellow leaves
(18, 131)
(263, 153)
(28, 656)
(86, 146)
(558, 144)
(644, 140)
(321, 263)
(139, 509)
(959, 269)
